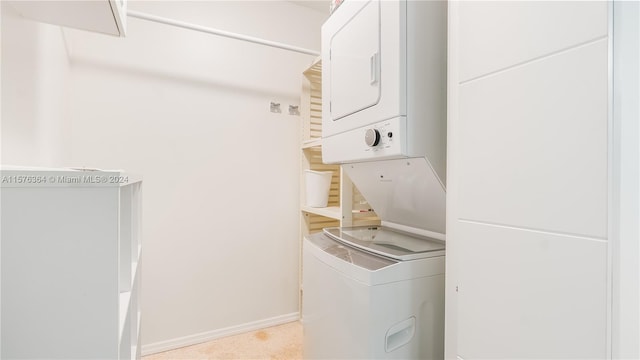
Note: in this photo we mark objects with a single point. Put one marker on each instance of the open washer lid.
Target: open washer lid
(388, 242)
(405, 193)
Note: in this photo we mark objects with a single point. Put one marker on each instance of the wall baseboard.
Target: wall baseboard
(217, 334)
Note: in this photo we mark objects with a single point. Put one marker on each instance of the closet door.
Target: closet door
(527, 221)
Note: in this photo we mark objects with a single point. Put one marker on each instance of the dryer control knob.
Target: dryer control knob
(372, 137)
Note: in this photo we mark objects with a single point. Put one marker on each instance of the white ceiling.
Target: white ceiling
(319, 5)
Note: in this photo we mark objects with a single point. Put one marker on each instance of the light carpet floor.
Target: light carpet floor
(282, 342)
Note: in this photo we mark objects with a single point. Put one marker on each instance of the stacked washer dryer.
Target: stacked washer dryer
(378, 292)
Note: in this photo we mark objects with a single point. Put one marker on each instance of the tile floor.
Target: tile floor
(282, 342)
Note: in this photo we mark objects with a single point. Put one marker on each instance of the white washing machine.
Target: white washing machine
(378, 292)
(373, 293)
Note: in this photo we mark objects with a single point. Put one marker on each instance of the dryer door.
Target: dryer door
(355, 62)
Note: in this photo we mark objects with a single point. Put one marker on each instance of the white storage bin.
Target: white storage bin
(318, 184)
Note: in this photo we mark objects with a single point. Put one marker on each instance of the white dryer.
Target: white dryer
(373, 293)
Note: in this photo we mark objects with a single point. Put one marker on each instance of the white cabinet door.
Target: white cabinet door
(355, 62)
(106, 17)
(528, 247)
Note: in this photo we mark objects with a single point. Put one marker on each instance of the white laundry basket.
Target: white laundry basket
(318, 184)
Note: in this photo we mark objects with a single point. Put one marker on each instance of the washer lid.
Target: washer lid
(349, 254)
(407, 192)
(388, 242)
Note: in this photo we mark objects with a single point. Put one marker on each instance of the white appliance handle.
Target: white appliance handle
(373, 61)
(400, 334)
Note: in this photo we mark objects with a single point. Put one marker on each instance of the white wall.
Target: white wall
(190, 112)
(34, 80)
(528, 232)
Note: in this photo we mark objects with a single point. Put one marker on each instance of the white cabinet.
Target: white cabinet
(528, 225)
(535, 29)
(102, 16)
(71, 251)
